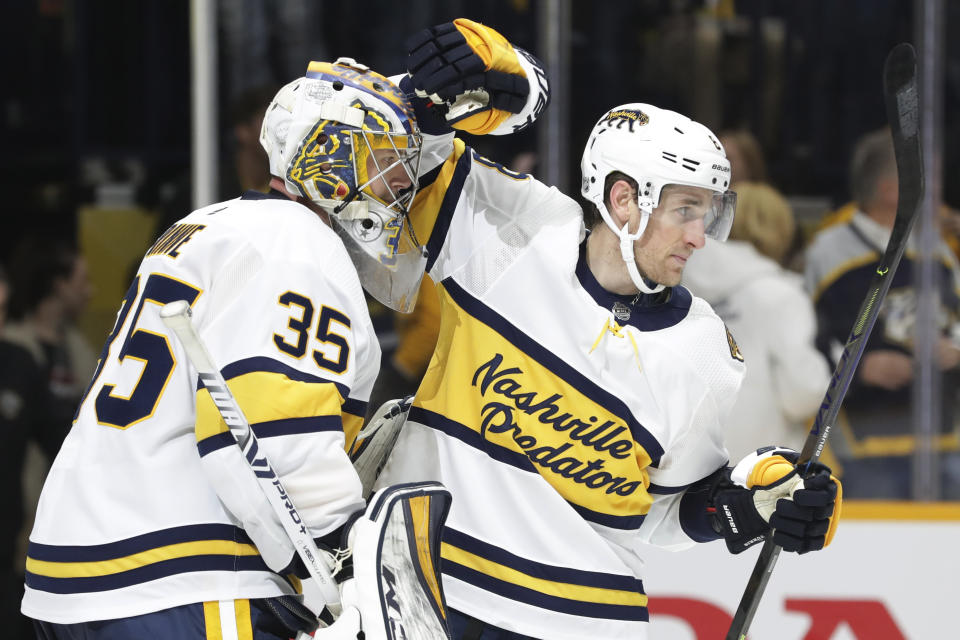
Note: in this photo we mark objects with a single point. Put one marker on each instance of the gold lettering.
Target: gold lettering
(174, 238)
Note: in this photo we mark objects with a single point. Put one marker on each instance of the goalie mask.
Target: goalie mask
(657, 148)
(345, 138)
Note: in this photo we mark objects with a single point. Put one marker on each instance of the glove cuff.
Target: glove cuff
(538, 96)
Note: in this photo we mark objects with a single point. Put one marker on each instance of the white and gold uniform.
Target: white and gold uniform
(129, 521)
(566, 421)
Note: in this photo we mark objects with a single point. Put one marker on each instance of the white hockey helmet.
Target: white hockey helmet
(335, 137)
(656, 147)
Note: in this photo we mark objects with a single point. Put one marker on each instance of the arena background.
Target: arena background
(103, 114)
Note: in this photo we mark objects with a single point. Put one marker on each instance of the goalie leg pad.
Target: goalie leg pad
(396, 555)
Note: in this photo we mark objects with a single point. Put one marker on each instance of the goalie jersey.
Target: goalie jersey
(567, 422)
(129, 521)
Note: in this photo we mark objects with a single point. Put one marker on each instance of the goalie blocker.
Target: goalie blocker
(395, 591)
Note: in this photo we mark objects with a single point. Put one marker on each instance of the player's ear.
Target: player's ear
(621, 194)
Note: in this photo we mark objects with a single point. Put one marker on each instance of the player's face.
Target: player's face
(392, 182)
(75, 291)
(675, 230)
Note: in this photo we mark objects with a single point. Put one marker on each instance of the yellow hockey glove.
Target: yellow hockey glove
(470, 73)
(766, 491)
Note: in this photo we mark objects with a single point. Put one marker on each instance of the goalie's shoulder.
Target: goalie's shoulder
(280, 228)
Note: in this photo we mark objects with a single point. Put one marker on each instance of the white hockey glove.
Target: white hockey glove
(765, 491)
(474, 79)
(395, 587)
(376, 440)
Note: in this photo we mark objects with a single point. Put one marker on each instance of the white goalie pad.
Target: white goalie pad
(396, 574)
(376, 440)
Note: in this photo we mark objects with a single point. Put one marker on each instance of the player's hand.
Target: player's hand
(469, 72)
(886, 368)
(767, 492)
(948, 355)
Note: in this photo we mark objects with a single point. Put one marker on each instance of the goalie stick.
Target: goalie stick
(901, 99)
(177, 317)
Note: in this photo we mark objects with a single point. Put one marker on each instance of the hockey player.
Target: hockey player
(151, 524)
(575, 403)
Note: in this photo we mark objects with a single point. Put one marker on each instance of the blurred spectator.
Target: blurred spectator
(875, 442)
(949, 223)
(244, 165)
(22, 395)
(250, 163)
(269, 39)
(771, 317)
(950, 228)
(49, 290)
(4, 298)
(745, 155)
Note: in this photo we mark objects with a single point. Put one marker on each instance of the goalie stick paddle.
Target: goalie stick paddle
(177, 317)
(901, 99)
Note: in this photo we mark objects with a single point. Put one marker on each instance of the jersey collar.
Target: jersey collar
(646, 312)
(273, 194)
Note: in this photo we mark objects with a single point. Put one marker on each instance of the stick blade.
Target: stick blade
(900, 69)
(902, 100)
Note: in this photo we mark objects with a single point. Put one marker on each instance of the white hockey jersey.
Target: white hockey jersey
(565, 421)
(128, 521)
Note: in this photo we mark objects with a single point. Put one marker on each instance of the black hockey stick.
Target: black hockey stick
(900, 96)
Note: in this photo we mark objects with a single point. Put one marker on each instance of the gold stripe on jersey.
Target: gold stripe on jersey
(485, 382)
(137, 560)
(244, 625)
(564, 590)
(211, 620)
(426, 204)
(351, 428)
(241, 614)
(266, 396)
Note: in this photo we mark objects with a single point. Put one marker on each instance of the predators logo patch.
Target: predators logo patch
(630, 117)
(734, 347)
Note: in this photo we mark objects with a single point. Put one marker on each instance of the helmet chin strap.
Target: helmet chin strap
(626, 252)
(626, 249)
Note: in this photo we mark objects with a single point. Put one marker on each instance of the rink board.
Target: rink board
(892, 572)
